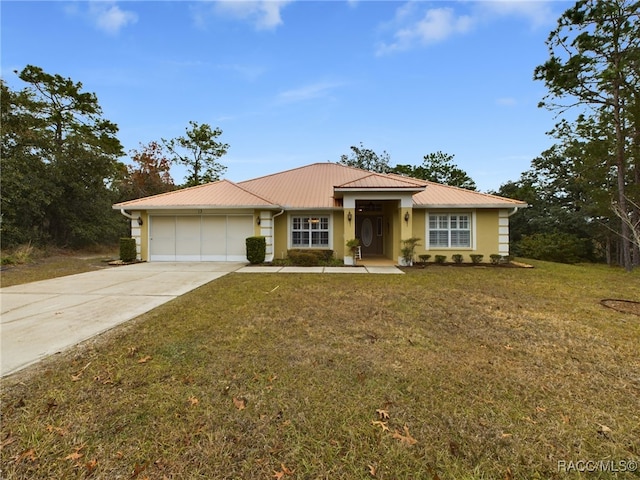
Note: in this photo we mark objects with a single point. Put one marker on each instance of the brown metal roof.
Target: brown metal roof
(314, 186)
(216, 194)
(437, 195)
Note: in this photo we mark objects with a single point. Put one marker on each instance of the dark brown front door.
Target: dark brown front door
(369, 231)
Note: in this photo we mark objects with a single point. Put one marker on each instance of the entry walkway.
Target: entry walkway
(382, 269)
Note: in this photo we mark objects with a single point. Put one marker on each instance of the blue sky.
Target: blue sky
(296, 82)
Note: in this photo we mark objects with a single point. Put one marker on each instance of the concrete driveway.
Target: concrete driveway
(42, 318)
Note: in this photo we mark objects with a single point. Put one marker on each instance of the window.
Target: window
(310, 232)
(449, 230)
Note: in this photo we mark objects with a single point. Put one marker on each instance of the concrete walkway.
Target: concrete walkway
(358, 269)
(42, 318)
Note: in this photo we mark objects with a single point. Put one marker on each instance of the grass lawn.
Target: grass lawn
(442, 373)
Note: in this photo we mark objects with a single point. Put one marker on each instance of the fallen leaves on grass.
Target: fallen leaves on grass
(59, 430)
(372, 470)
(383, 414)
(406, 439)
(29, 455)
(380, 424)
(78, 376)
(193, 401)
(145, 359)
(282, 472)
(240, 403)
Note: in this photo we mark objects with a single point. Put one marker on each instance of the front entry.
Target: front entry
(369, 230)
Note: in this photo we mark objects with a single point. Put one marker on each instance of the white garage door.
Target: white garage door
(213, 238)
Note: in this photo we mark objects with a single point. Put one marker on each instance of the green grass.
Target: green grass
(492, 372)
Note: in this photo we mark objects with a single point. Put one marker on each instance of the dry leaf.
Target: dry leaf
(372, 470)
(91, 465)
(508, 347)
(27, 455)
(506, 435)
(283, 471)
(541, 410)
(565, 419)
(406, 438)
(193, 401)
(383, 414)
(8, 440)
(74, 456)
(240, 403)
(604, 430)
(59, 430)
(145, 359)
(382, 425)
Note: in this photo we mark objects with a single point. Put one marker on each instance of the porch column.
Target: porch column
(349, 228)
(406, 225)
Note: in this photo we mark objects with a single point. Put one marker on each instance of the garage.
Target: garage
(196, 238)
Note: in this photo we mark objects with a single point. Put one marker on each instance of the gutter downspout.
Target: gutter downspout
(131, 217)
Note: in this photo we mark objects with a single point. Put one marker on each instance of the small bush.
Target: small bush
(495, 258)
(441, 258)
(457, 258)
(310, 258)
(128, 249)
(424, 258)
(256, 249)
(476, 258)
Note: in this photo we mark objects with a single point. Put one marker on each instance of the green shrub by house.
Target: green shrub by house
(457, 258)
(476, 258)
(440, 258)
(310, 258)
(256, 249)
(128, 249)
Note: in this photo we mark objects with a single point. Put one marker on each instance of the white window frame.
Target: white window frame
(472, 229)
(311, 230)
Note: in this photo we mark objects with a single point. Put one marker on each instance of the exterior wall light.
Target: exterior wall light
(349, 217)
(258, 220)
(139, 221)
(406, 217)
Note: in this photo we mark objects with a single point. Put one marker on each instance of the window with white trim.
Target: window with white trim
(449, 230)
(310, 232)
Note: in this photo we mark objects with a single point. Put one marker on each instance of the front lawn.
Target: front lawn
(441, 373)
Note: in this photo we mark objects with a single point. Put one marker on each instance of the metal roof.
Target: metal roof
(316, 186)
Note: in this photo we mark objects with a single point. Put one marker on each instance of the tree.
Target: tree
(439, 167)
(367, 159)
(68, 155)
(594, 63)
(199, 151)
(150, 174)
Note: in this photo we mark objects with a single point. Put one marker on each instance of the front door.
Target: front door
(369, 231)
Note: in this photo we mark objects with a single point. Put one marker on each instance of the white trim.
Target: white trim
(308, 213)
(472, 228)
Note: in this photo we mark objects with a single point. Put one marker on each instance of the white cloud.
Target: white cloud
(307, 92)
(264, 14)
(109, 17)
(436, 25)
(106, 16)
(538, 13)
(413, 26)
(507, 102)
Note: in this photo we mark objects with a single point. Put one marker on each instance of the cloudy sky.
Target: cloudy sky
(296, 82)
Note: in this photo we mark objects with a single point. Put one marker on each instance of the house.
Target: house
(319, 206)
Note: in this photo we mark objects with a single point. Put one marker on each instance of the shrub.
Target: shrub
(457, 258)
(310, 258)
(555, 247)
(256, 249)
(476, 258)
(128, 250)
(408, 249)
(424, 258)
(441, 258)
(495, 258)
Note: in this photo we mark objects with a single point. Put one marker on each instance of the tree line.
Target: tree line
(61, 167)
